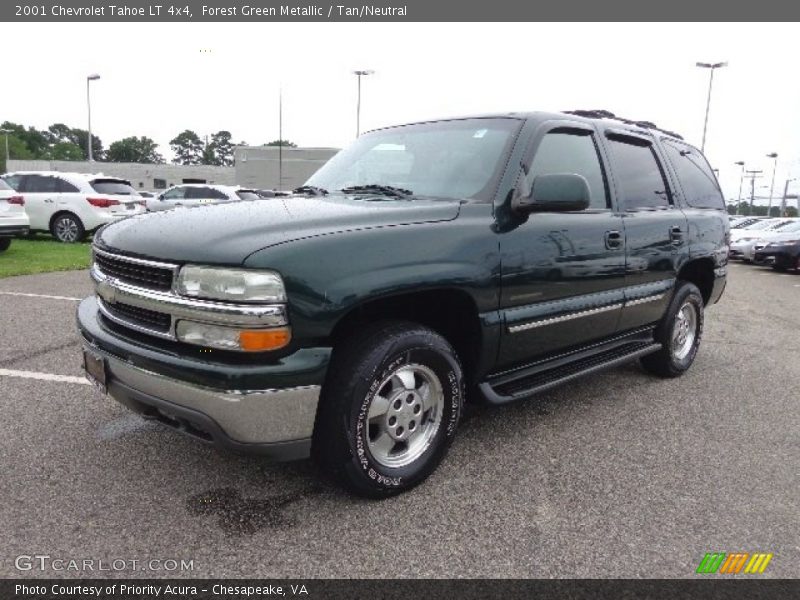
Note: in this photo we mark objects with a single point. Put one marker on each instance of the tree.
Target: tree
(60, 133)
(188, 148)
(64, 151)
(221, 149)
(134, 149)
(284, 143)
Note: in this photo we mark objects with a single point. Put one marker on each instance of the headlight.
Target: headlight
(242, 285)
(231, 338)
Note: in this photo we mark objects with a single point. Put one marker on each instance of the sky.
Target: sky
(159, 79)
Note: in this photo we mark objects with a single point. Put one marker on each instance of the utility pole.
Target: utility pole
(753, 175)
(280, 138)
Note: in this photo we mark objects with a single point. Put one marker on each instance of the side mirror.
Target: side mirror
(558, 192)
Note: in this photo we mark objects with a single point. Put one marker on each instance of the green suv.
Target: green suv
(487, 258)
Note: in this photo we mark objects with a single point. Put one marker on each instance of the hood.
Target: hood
(228, 233)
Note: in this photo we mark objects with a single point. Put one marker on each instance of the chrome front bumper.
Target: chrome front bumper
(273, 421)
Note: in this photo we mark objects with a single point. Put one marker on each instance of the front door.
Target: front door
(562, 273)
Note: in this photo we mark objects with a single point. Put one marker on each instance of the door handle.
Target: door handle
(613, 240)
(676, 235)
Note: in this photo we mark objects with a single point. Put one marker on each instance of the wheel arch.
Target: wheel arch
(700, 272)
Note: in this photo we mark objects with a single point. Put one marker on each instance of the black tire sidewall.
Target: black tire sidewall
(688, 292)
(415, 348)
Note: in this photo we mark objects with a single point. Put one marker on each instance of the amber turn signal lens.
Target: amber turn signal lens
(262, 340)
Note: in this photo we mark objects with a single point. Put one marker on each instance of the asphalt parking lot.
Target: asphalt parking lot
(617, 475)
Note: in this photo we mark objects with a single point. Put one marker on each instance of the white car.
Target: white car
(788, 232)
(744, 245)
(194, 194)
(754, 229)
(13, 220)
(70, 205)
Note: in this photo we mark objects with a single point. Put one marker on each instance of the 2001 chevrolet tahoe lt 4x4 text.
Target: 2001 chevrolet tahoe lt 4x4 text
(496, 256)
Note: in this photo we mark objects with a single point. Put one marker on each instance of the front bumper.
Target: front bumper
(263, 408)
(786, 257)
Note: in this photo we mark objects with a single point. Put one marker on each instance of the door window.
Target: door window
(639, 174)
(572, 152)
(174, 194)
(65, 187)
(40, 184)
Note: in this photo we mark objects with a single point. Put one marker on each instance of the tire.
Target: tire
(780, 268)
(679, 348)
(67, 228)
(389, 409)
(4, 244)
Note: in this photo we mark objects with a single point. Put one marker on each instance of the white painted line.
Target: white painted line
(43, 376)
(41, 296)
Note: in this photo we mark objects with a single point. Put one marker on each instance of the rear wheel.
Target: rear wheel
(389, 409)
(67, 228)
(4, 244)
(679, 333)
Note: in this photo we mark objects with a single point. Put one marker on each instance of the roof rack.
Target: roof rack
(605, 114)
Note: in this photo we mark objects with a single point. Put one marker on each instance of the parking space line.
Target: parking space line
(43, 376)
(41, 296)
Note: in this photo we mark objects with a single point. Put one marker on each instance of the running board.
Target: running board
(558, 371)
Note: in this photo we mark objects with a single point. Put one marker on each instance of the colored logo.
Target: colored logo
(737, 562)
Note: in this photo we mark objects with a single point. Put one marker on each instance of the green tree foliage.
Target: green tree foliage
(57, 142)
(188, 148)
(284, 143)
(135, 150)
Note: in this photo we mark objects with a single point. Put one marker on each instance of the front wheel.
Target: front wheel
(679, 333)
(68, 228)
(389, 409)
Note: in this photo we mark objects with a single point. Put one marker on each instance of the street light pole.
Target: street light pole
(785, 194)
(280, 138)
(774, 156)
(712, 67)
(741, 181)
(6, 131)
(360, 74)
(89, 79)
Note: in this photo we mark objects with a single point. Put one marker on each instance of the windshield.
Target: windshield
(760, 225)
(790, 226)
(116, 187)
(780, 225)
(247, 195)
(447, 159)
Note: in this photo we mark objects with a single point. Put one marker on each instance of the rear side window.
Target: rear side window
(247, 195)
(641, 180)
(174, 194)
(65, 187)
(570, 152)
(697, 179)
(113, 186)
(4, 186)
(13, 181)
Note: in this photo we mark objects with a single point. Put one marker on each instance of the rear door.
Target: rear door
(41, 199)
(655, 226)
(563, 273)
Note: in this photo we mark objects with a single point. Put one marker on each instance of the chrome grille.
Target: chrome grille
(149, 319)
(136, 272)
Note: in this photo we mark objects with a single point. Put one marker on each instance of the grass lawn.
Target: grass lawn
(41, 254)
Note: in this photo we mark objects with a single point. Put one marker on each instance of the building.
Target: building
(273, 168)
(259, 167)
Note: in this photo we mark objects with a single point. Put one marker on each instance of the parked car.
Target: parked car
(194, 194)
(348, 324)
(740, 222)
(754, 230)
(782, 253)
(70, 205)
(13, 219)
(746, 247)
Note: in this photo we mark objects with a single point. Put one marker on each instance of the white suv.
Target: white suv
(193, 194)
(70, 205)
(13, 220)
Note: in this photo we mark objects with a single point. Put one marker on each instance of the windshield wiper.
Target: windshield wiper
(375, 188)
(310, 190)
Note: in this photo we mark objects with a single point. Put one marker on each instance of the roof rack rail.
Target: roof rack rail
(605, 114)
